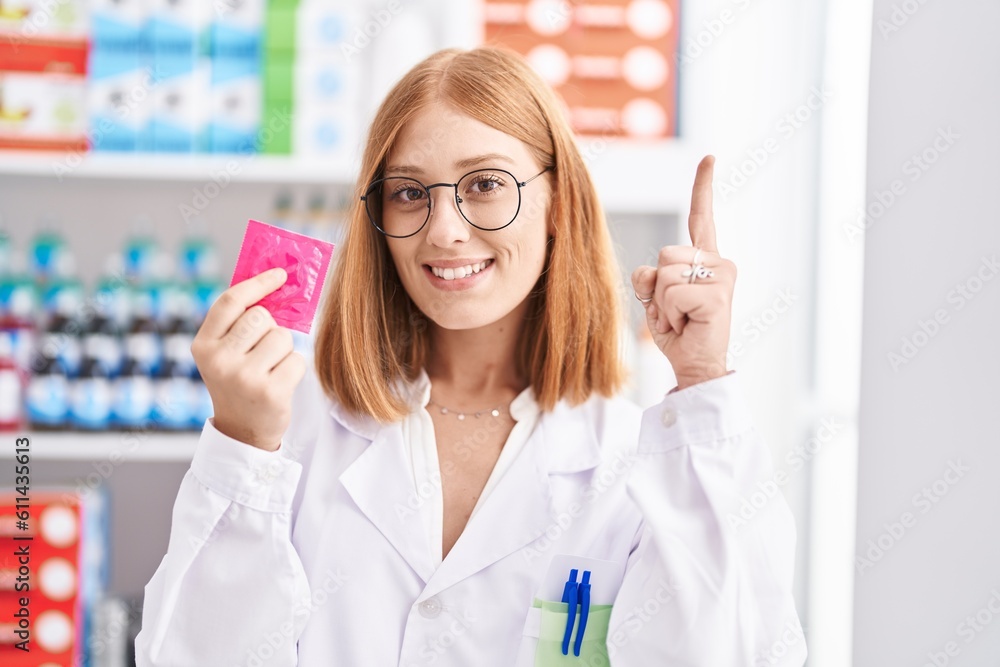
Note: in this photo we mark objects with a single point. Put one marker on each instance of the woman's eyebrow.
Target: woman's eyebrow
(460, 164)
(403, 169)
(479, 159)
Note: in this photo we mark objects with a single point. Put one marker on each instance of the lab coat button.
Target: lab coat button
(669, 417)
(430, 608)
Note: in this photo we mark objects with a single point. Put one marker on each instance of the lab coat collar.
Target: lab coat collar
(380, 481)
(575, 450)
(521, 508)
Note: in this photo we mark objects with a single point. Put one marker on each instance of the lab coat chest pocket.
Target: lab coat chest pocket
(555, 617)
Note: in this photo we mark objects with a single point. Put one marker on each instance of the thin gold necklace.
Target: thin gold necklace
(496, 412)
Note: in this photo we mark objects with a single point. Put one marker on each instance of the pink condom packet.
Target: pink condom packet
(304, 259)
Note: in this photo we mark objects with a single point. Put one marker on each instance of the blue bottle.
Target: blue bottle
(174, 397)
(132, 396)
(90, 397)
(203, 408)
(47, 397)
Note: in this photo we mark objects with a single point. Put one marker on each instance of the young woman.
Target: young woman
(455, 482)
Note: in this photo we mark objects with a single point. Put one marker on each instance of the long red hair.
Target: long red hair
(371, 334)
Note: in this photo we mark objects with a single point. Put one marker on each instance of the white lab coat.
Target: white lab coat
(313, 555)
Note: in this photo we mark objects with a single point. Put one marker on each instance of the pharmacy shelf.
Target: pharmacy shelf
(631, 176)
(169, 167)
(113, 446)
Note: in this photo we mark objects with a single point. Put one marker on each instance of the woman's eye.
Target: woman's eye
(408, 194)
(485, 186)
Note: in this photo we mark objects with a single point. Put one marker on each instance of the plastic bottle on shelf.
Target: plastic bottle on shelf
(316, 218)
(47, 404)
(49, 255)
(179, 328)
(18, 315)
(174, 401)
(90, 397)
(61, 336)
(142, 340)
(64, 294)
(202, 408)
(11, 387)
(132, 396)
(284, 215)
(141, 250)
(112, 294)
(198, 257)
(204, 294)
(102, 341)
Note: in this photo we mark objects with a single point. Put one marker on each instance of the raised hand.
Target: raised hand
(689, 316)
(248, 363)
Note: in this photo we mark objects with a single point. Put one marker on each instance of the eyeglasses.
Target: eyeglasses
(489, 199)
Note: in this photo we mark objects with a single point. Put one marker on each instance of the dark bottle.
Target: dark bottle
(102, 341)
(61, 340)
(142, 341)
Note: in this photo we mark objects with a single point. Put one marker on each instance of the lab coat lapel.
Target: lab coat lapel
(521, 506)
(381, 483)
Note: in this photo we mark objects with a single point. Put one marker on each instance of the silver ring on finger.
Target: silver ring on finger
(697, 270)
(641, 300)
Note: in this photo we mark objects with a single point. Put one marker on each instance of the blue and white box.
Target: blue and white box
(119, 94)
(179, 121)
(236, 105)
(118, 25)
(236, 28)
(178, 27)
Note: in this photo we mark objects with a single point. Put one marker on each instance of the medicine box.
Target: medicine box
(118, 24)
(180, 113)
(235, 105)
(236, 27)
(119, 100)
(178, 27)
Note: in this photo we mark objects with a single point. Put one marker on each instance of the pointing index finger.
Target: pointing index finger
(701, 222)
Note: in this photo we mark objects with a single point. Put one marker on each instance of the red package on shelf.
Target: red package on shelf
(44, 577)
(43, 94)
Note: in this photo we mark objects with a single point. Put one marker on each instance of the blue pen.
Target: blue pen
(570, 597)
(583, 593)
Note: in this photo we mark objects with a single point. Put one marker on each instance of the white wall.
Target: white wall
(937, 71)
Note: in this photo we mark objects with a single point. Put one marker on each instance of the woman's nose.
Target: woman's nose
(446, 224)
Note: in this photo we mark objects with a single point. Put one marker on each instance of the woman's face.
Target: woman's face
(440, 145)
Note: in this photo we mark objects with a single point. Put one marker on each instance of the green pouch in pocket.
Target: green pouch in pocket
(593, 651)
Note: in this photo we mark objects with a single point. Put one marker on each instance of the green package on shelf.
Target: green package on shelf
(279, 27)
(594, 648)
(279, 140)
(279, 78)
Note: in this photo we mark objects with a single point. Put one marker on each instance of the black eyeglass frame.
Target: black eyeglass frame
(458, 200)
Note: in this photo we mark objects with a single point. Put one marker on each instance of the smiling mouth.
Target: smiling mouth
(459, 272)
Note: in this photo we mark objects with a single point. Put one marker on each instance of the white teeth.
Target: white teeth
(459, 272)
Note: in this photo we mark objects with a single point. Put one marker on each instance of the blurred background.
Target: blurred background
(855, 147)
